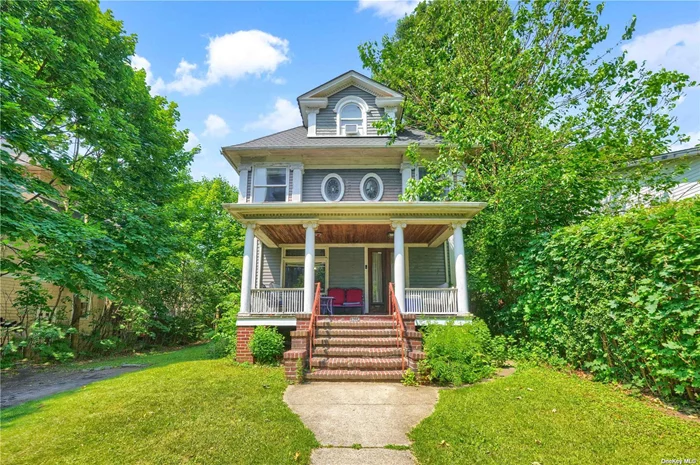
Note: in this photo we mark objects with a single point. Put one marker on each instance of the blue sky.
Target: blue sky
(236, 68)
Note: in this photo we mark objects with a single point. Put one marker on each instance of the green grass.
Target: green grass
(544, 416)
(153, 358)
(179, 411)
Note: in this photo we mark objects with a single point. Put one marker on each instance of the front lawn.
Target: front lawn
(203, 411)
(543, 416)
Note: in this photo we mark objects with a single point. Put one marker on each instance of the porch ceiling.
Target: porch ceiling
(352, 233)
(427, 223)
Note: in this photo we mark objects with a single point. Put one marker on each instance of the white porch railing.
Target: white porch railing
(282, 300)
(431, 300)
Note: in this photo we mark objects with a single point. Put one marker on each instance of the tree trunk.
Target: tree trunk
(76, 313)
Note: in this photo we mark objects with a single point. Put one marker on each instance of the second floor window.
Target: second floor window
(270, 185)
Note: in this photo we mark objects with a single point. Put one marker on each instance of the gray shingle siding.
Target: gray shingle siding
(347, 267)
(391, 178)
(326, 124)
(271, 263)
(426, 266)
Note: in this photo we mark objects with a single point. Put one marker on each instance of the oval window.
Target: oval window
(371, 187)
(332, 188)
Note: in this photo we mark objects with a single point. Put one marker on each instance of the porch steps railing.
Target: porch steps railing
(431, 301)
(277, 300)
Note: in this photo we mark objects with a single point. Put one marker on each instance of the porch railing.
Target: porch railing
(315, 313)
(397, 323)
(431, 300)
(280, 300)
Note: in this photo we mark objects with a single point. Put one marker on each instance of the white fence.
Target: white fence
(283, 300)
(431, 300)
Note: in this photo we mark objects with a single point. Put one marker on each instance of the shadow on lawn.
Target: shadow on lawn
(24, 393)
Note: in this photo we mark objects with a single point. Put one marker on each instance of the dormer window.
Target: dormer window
(352, 116)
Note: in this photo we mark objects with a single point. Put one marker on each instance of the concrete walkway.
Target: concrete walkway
(371, 415)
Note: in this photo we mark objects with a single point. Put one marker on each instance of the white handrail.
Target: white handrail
(431, 300)
(277, 300)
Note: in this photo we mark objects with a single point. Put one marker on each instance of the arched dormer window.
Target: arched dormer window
(351, 116)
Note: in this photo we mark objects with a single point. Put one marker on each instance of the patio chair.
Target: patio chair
(338, 295)
(354, 298)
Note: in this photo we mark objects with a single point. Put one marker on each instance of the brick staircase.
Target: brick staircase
(354, 348)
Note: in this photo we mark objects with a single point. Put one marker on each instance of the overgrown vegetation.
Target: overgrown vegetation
(539, 118)
(185, 408)
(461, 354)
(620, 297)
(266, 345)
(97, 200)
(543, 416)
(536, 118)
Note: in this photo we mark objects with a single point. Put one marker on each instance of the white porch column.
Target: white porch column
(297, 172)
(247, 272)
(460, 269)
(244, 172)
(399, 266)
(309, 262)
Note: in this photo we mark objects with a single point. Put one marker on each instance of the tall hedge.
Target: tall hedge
(620, 297)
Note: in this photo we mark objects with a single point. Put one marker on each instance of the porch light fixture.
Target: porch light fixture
(390, 234)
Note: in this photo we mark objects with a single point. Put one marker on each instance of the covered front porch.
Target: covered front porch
(354, 250)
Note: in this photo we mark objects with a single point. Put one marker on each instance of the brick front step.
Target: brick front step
(354, 375)
(364, 323)
(364, 363)
(355, 332)
(381, 352)
(356, 341)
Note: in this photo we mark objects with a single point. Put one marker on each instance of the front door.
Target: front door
(380, 274)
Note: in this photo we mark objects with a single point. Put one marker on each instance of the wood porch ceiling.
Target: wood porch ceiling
(353, 233)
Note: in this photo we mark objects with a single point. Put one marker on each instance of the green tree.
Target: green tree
(89, 157)
(535, 116)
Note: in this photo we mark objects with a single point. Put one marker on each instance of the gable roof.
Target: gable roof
(318, 96)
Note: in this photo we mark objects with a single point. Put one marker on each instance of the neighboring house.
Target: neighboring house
(320, 203)
(689, 180)
(80, 313)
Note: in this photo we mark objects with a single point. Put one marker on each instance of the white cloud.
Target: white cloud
(139, 62)
(389, 9)
(694, 140)
(284, 116)
(192, 141)
(278, 81)
(229, 57)
(215, 126)
(675, 48)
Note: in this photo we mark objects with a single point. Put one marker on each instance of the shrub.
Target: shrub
(409, 378)
(619, 297)
(458, 354)
(266, 345)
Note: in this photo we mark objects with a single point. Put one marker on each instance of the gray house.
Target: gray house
(330, 248)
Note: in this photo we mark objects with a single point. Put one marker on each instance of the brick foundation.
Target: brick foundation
(243, 336)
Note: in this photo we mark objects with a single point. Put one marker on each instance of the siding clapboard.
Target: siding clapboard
(426, 266)
(346, 267)
(688, 182)
(326, 124)
(270, 266)
(391, 178)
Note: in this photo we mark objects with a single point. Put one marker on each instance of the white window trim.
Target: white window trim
(345, 101)
(254, 186)
(300, 260)
(342, 187)
(362, 187)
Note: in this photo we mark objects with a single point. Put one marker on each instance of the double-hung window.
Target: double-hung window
(270, 184)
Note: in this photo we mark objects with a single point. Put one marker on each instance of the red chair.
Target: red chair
(354, 297)
(338, 295)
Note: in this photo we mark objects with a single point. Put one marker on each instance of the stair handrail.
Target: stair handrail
(397, 322)
(315, 311)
